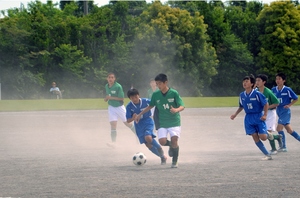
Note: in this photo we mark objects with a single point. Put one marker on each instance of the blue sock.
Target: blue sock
(155, 144)
(296, 135)
(262, 147)
(155, 151)
(283, 138)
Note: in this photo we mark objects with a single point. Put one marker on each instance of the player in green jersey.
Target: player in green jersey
(116, 109)
(271, 120)
(168, 104)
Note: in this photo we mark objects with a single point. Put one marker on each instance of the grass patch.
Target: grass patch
(95, 104)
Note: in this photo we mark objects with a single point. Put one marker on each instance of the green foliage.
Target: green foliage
(205, 47)
(280, 27)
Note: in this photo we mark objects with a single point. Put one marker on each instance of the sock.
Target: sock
(283, 138)
(155, 151)
(296, 135)
(175, 154)
(168, 143)
(113, 135)
(158, 147)
(276, 137)
(262, 147)
(272, 143)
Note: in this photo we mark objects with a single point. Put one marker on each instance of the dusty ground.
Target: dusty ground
(64, 154)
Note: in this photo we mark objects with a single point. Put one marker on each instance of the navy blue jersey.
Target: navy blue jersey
(285, 95)
(253, 102)
(146, 124)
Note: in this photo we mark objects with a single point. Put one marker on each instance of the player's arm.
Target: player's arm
(266, 107)
(236, 113)
(138, 117)
(289, 105)
(176, 110)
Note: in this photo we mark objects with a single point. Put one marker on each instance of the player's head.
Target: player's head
(133, 95)
(249, 81)
(280, 79)
(53, 84)
(161, 81)
(261, 79)
(152, 82)
(111, 78)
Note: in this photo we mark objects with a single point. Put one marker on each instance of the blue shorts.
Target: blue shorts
(143, 130)
(284, 116)
(253, 124)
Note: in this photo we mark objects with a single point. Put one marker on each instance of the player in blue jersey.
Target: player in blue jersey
(256, 107)
(144, 128)
(287, 98)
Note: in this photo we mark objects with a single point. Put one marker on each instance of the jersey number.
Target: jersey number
(166, 106)
(249, 105)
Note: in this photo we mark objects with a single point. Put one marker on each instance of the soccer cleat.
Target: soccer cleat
(170, 152)
(270, 136)
(282, 150)
(273, 152)
(163, 160)
(267, 157)
(174, 165)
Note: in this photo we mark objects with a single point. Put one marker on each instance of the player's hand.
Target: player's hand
(263, 118)
(173, 110)
(107, 97)
(137, 118)
(232, 117)
(134, 116)
(286, 106)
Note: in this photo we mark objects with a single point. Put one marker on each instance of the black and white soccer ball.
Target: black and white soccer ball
(139, 159)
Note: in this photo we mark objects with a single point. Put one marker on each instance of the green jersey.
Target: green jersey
(271, 98)
(115, 90)
(163, 117)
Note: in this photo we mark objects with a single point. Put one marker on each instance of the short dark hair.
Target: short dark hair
(282, 75)
(132, 92)
(161, 77)
(111, 73)
(263, 77)
(251, 78)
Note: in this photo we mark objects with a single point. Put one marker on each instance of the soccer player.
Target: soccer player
(287, 98)
(168, 104)
(256, 107)
(116, 108)
(271, 120)
(144, 128)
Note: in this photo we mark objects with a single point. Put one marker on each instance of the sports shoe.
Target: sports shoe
(174, 165)
(273, 152)
(270, 136)
(163, 160)
(170, 152)
(282, 150)
(267, 157)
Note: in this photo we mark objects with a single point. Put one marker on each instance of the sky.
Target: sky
(6, 4)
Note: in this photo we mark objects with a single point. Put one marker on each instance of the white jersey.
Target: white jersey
(54, 89)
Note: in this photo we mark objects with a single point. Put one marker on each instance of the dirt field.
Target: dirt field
(64, 154)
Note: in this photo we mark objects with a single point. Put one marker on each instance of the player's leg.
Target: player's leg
(174, 134)
(162, 138)
(271, 123)
(113, 124)
(280, 132)
(150, 146)
(289, 129)
(257, 139)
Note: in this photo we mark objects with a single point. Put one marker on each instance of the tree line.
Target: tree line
(205, 47)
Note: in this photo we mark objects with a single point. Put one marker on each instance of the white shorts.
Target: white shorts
(117, 112)
(271, 120)
(173, 131)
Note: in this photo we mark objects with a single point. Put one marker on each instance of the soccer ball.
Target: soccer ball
(139, 159)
